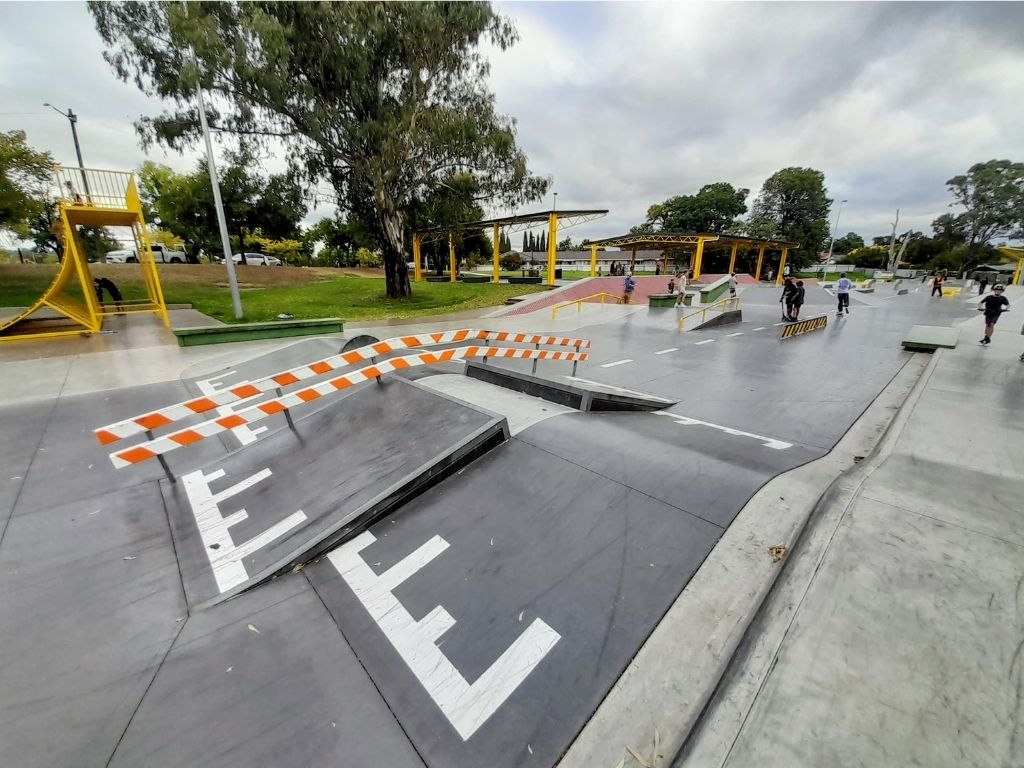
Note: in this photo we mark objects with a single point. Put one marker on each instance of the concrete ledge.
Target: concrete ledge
(474, 278)
(726, 318)
(710, 293)
(656, 702)
(661, 300)
(582, 396)
(928, 338)
(221, 334)
(525, 280)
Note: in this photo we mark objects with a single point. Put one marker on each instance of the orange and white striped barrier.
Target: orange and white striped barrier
(246, 389)
(183, 437)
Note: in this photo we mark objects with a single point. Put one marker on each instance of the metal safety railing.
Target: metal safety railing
(162, 417)
(579, 302)
(724, 305)
(157, 446)
(93, 187)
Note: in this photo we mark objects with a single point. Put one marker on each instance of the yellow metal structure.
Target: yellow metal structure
(1014, 253)
(451, 259)
(725, 305)
(732, 257)
(579, 302)
(593, 261)
(952, 292)
(552, 246)
(417, 270)
(760, 261)
(112, 200)
(782, 266)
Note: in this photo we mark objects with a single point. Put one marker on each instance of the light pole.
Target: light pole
(73, 118)
(554, 205)
(832, 240)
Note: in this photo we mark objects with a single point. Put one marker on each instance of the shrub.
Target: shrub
(368, 258)
(511, 262)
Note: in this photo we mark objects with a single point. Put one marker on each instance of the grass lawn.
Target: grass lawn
(269, 291)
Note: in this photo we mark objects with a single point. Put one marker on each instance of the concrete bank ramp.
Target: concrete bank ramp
(279, 502)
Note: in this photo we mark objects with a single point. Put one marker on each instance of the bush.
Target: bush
(511, 262)
(368, 258)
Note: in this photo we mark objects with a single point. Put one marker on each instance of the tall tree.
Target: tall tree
(714, 208)
(384, 100)
(992, 195)
(24, 177)
(851, 241)
(793, 206)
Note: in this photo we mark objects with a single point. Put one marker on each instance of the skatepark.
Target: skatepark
(514, 540)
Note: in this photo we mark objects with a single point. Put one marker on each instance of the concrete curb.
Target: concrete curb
(657, 701)
(712, 739)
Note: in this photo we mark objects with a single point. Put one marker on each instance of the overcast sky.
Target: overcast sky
(626, 104)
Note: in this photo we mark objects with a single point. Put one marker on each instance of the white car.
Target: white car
(160, 254)
(257, 260)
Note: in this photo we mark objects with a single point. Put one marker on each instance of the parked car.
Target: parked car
(160, 254)
(257, 260)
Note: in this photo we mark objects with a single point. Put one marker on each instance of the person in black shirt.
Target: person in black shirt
(788, 292)
(101, 284)
(798, 300)
(993, 305)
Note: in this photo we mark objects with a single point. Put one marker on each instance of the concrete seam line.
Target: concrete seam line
(835, 497)
(709, 619)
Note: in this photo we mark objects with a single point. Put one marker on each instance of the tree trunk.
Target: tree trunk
(396, 272)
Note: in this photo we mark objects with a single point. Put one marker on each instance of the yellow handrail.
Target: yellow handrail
(579, 302)
(730, 303)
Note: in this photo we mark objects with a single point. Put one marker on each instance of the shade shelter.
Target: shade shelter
(701, 242)
(511, 224)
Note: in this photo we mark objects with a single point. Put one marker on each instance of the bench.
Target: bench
(221, 334)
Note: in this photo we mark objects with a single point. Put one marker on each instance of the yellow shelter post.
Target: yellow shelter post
(698, 258)
(1016, 273)
(760, 260)
(497, 252)
(782, 265)
(593, 261)
(451, 258)
(552, 246)
(417, 269)
(732, 257)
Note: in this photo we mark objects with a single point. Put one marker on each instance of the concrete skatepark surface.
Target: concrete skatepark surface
(481, 623)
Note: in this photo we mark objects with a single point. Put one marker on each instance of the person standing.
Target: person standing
(627, 288)
(788, 291)
(982, 282)
(732, 285)
(771, 274)
(798, 300)
(843, 287)
(937, 284)
(681, 283)
(993, 306)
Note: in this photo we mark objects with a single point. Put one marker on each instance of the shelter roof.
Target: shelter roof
(686, 238)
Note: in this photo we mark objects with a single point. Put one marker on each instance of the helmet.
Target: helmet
(998, 287)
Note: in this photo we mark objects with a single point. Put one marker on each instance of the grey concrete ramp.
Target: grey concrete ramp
(278, 502)
(495, 612)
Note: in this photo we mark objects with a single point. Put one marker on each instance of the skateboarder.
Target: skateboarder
(993, 305)
(788, 291)
(937, 284)
(843, 287)
(682, 280)
(732, 286)
(798, 300)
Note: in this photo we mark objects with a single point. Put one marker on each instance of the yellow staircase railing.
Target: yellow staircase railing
(579, 302)
(724, 305)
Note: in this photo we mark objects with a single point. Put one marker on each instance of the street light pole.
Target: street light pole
(73, 119)
(832, 240)
(229, 261)
(555, 204)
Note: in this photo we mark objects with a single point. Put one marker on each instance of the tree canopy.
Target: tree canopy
(992, 195)
(383, 100)
(715, 208)
(24, 176)
(183, 203)
(793, 206)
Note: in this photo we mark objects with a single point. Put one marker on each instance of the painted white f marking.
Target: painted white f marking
(466, 706)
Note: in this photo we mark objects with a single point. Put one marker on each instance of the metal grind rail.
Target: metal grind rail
(157, 447)
(162, 417)
(579, 302)
(723, 305)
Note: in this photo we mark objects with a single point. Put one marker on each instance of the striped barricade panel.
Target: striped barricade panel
(246, 389)
(165, 444)
(804, 326)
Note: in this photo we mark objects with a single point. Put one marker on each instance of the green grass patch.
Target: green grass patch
(351, 298)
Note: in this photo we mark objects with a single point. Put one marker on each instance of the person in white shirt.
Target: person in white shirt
(732, 285)
(843, 294)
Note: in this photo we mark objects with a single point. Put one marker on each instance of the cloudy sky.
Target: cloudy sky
(626, 104)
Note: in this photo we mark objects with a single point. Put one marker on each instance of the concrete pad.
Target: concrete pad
(23, 429)
(264, 679)
(90, 601)
(930, 337)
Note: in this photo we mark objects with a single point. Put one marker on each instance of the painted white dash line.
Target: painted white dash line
(761, 328)
(666, 351)
(706, 341)
(617, 362)
(778, 324)
(730, 335)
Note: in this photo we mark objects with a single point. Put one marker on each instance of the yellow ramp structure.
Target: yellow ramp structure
(69, 306)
